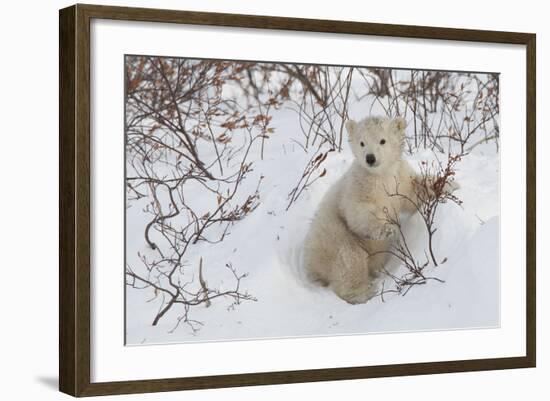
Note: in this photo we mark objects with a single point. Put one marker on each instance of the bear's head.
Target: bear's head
(377, 142)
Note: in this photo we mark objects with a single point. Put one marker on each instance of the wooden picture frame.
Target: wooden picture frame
(75, 207)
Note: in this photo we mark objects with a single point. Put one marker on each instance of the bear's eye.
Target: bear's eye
(383, 141)
(362, 144)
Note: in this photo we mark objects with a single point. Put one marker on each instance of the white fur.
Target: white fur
(349, 236)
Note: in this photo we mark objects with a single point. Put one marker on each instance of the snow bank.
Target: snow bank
(267, 245)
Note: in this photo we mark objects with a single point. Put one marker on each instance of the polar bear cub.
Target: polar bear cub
(349, 236)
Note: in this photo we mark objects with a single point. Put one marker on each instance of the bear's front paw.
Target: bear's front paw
(385, 231)
(451, 186)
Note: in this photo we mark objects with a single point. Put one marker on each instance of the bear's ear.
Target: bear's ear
(399, 124)
(351, 126)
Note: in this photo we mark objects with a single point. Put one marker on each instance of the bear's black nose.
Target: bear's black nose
(371, 159)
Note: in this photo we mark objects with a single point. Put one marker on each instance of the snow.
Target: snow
(267, 245)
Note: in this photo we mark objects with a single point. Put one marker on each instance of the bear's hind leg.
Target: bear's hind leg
(351, 280)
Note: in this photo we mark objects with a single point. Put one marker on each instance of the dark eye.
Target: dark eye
(362, 144)
(383, 141)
